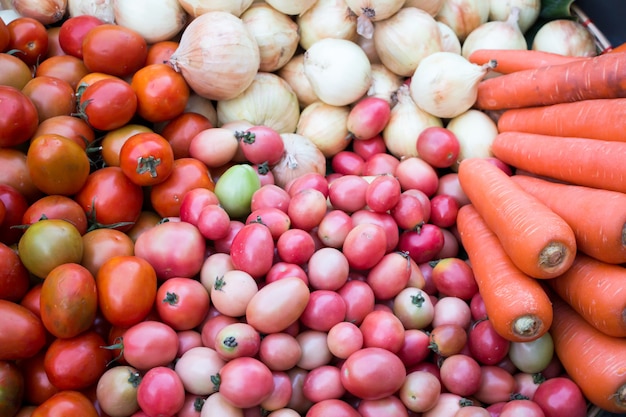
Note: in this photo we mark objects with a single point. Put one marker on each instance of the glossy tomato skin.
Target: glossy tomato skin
(147, 159)
(37, 386)
(102, 45)
(22, 333)
(14, 277)
(19, 117)
(161, 392)
(560, 396)
(372, 364)
(72, 32)
(69, 300)
(57, 207)
(161, 91)
(66, 403)
(30, 37)
(51, 96)
(15, 205)
(109, 198)
(108, 104)
(182, 303)
(246, 382)
(100, 245)
(252, 250)
(11, 388)
(332, 407)
(149, 344)
(180, 130)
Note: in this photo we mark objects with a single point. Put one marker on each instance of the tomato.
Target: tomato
(187, 174)
(390, 275)
(460, 374)
(307, 208)
(174, 249)
(64, 67)
(71, 127)
(147, 159)
(68, 300)
(37, 385)
(213, 222)
(194, 202)
(57, 165)
(48, 244)
(454, 277)
(237, 340)
(197, 369)
(114, 49)
(11, 388)
(162, 93)
(560, 396)
(14, 277)
(324, 309)
(51, 96)
(438, 146)
(127, 287)
(161, 392)
(109, 198)
(245, 382)
(420, 391)
(270, 195)
(485, 344)
(252, 250)
(452, 310)
(19, 117)
(382, 329)
(114, 140)
(314, 345)
(147, 219)
(295, 246)
(496, 384)
(521, 408)
(365, 245)
(347, 163)
(372, 364)
(54, 47)
(235, 189)
(448, 339)
(14, 72)
(66, 403)
(116, 390)
(100, 245)
(532, 356)
(160, 52)
(72, 32)
(261, 144)
(107, 104)
(181, 130)
(422, 245)
(56, 207)
(384, 220)
(4, 36)
(182, 303)
(30, 37)
(232, 291)
(150, 343)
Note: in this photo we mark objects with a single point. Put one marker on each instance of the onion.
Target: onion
(169, 14)
(449, 41)
(268, 101)
(217, 55)
(293, 74)
(369, 11)
(275, 33)
(197, 7)
(463, 16)
(565, 37)
(339, 22)
(338, 70)
(405, 124)
(367, 44)
(203, 106)
(45, 11)
(301, 157)
(496, 34)
(432, 7)
(326, 126)
(529, 11)
(475, 132)
(385, 83)
(404, 39)
(445, 84)
(291, 7)
(102, 9)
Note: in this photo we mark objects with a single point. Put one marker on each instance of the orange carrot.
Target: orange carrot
(597, 77)
(597, 216)
(513, 60)
(595, 289)
(538, 241)
(619, 48)
(595, 361)
(516, 304)
(596, 119)
(581, 161)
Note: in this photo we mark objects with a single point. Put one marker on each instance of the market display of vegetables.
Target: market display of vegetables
(310, 208)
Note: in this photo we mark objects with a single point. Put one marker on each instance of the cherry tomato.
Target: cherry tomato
(162, 92)
(11, 388)
(149, 344)
(245, 382)
(72, 32)
(448, 339)
(19, 117)
(372, 364)
(14, 277)
(485, 344)
(182, 303)
(67, 402)
(114, 140)
(382, 329)
(30, 38)
(521, 408)
(454, 277)
(422, 245)
(198, 368)
(161, 392)
(147, 159)
(181, 130)
(560, 396)
(100, 245)
(532, 356)
(4, 36)
(232, 291)
(71, 127)
(22, 334)
(365, 245)
(51, 96)
(160, 52)
(237, 340)
(235, 189)
(107, 104)
(37, 385)
(116, 390)
(56, 207)
(114, 49)
(252, 250)
(64, 67)
(261, 144)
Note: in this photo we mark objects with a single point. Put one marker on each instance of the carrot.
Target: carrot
(596, 77)
(595, 289)
(581, 161)
(596, 119)
(513, 60)
(619, 48)
(597, 217)
(538, 241)
(595, 361)
(516, 304)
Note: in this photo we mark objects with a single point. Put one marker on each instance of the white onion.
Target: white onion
(291, 7)
(405, 124)
(449, 41)
(293, 74)
(404, 39)
(102, 9)
(367, 44)
(169, 14)
(565, 37)
(496, 34)
(385, 84)
(529, 11)
(275, 33)
(217, 55)
(463, 16)
(430, 6)
(445, 84)
(338, 70)
(197, 7)
(475, 131)
(268, 101)
(370, 11)
(338, 22)
(326, 126)
(203, 106)
(45, 11)
(301, 157)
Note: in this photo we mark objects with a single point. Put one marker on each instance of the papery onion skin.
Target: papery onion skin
(291, 7)
(496, 34)
(46, 11)
(217, 55)
(565, 37)
(169, 13)
(385, 84)
(463, 16)
(430, 6)
(293, 73)
(449, 41)
(301, 157)
(326, 126)
(268, 101)
(339, 22)
(529, 11)
(102, 9)
(475, 132)
(196, 8)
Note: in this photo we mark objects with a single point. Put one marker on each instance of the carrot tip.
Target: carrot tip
(527, 326)
(552, 255)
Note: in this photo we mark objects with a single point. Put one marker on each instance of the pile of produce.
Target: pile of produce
(310, 208)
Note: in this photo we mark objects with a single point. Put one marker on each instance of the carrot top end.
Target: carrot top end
(527, 327)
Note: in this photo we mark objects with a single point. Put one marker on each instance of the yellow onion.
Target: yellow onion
(385, 84)
(370, 11)
(197, 7)
(301, 157)
(169, 13)
(326, 126)
(217, 55)
(291, 7)
(339, 22)
(45, 11)
(529, 11)
(293, 74)
(496, 34)
(463, 16)
(432, 7)
(102, 9)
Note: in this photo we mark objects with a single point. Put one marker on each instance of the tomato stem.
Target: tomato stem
(134, 378)
(148, 164)
(216, 380)
(219, 283)
(417, 300)
(245, 137)
(230, 342)
(171, 298)
(198, 403)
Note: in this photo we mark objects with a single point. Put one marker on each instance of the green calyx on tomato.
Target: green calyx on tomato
(235, 188)
(148, 164)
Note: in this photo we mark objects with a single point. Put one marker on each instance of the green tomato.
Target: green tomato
(533, 356)
(49, 243)
(235, 188)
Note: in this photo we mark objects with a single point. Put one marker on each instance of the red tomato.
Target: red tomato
(161, 392)
(246, 382)
(30, 38)
(194, 201)
(51, 96)
(372, 364)
(64, 67)
(69, 300)
(252, 250)
(160, 52)
(66, 403)
(100, 245)
(460, 374)
(454, 277)
(149, 344)
(57, 207)
(114, 140)
(261, 144)
(107, 104)
(332, 407)
(147, 159)
(365, 245)
(496, 384)
(72, 32)
(443, 210)
(109, 198)
(382, 329)
(38, 387)
(22, 333)
(77, 362)
(11, 388)
(438, 146)
(383, 193)
(485, 344)
(14, 277)
(448, 339)
(560, 396)
(71, 127)
(114, 49)
(324, 309)
(180, 131)
(522, 408)
(4, 36)
(182, 303)
(162, 92)
(237, 340)
(424, 245)
(19, 117)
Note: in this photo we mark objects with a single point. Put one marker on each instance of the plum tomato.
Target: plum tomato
(161, 392)
(19, 118)
(107, 104)
(72, 32)
(245, 382)
(114, 49)
(372, 364)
